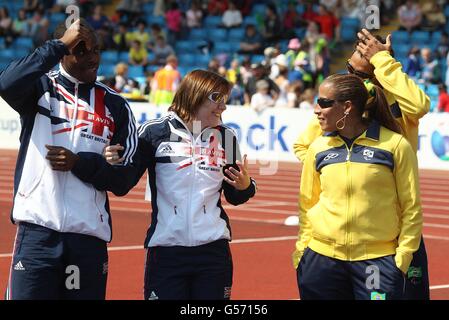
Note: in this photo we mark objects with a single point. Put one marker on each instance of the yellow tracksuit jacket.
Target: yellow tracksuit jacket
(363, 202)
(408, 103)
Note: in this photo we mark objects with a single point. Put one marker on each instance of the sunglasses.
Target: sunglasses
(359, 74)
(325, 103)
(218, 97)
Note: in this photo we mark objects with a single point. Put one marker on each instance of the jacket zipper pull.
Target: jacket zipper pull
(204, 209)
(175, 210)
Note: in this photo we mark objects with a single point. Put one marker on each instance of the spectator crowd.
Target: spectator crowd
(282, 53)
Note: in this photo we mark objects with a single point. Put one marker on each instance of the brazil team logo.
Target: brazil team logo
(378, 296)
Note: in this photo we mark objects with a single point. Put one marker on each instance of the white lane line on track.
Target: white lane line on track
(442, 286)
(259, 201)
(237, 241)
(271, 221)
(429, 236)
(436, 225)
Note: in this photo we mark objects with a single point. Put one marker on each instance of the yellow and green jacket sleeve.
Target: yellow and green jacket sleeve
(308, 197)
(407, 187)
(414, 103)
(305, 139)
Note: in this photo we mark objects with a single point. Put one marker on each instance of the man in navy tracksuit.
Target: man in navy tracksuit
(63, 224)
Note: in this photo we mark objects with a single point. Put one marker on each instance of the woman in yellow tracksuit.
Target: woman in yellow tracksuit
(373, 61)
(360, 211)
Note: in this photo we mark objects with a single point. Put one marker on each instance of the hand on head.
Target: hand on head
(76, 33)
(369, 45)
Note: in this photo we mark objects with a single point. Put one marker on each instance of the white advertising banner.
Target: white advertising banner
(9, 127)
(268, 136)
(433, 147)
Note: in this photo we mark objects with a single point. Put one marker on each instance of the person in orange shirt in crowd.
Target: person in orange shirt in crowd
(165, 82)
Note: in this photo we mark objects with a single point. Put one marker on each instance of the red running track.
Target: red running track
(262, 244)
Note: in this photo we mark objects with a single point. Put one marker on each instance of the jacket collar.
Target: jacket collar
(71, 81)
(373, 131)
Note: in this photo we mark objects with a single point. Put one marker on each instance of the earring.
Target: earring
(342, 120)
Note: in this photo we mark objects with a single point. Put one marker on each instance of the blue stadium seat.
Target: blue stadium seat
(420, 37)
(446, 10)
(135, 72)
(249, 20)
(350, 22)
(236, 34)
(197, 66)
(258, 58)
(348, 34)
(432, 45)
(217, 34)
(300, 8)
(258, 8)
(436, 36)
(212, 22)
(401, 50)
(186, 59)
(52, 26)
(201, 61)
(432, 90)
(400, 36)
(12, 6)
(234, 45)
(123, 56)
(182, 70)
(222, 47)
(109, 56)
(183, 46)
(106, 69)
(433, 104)
(283, 45)
(7, 55)
(58, 17)
(198, 34)
(156, 19)
(148, 8)
(190, 68)
(443, 66)
(300, 32)
(153, 68)
(24, 43)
